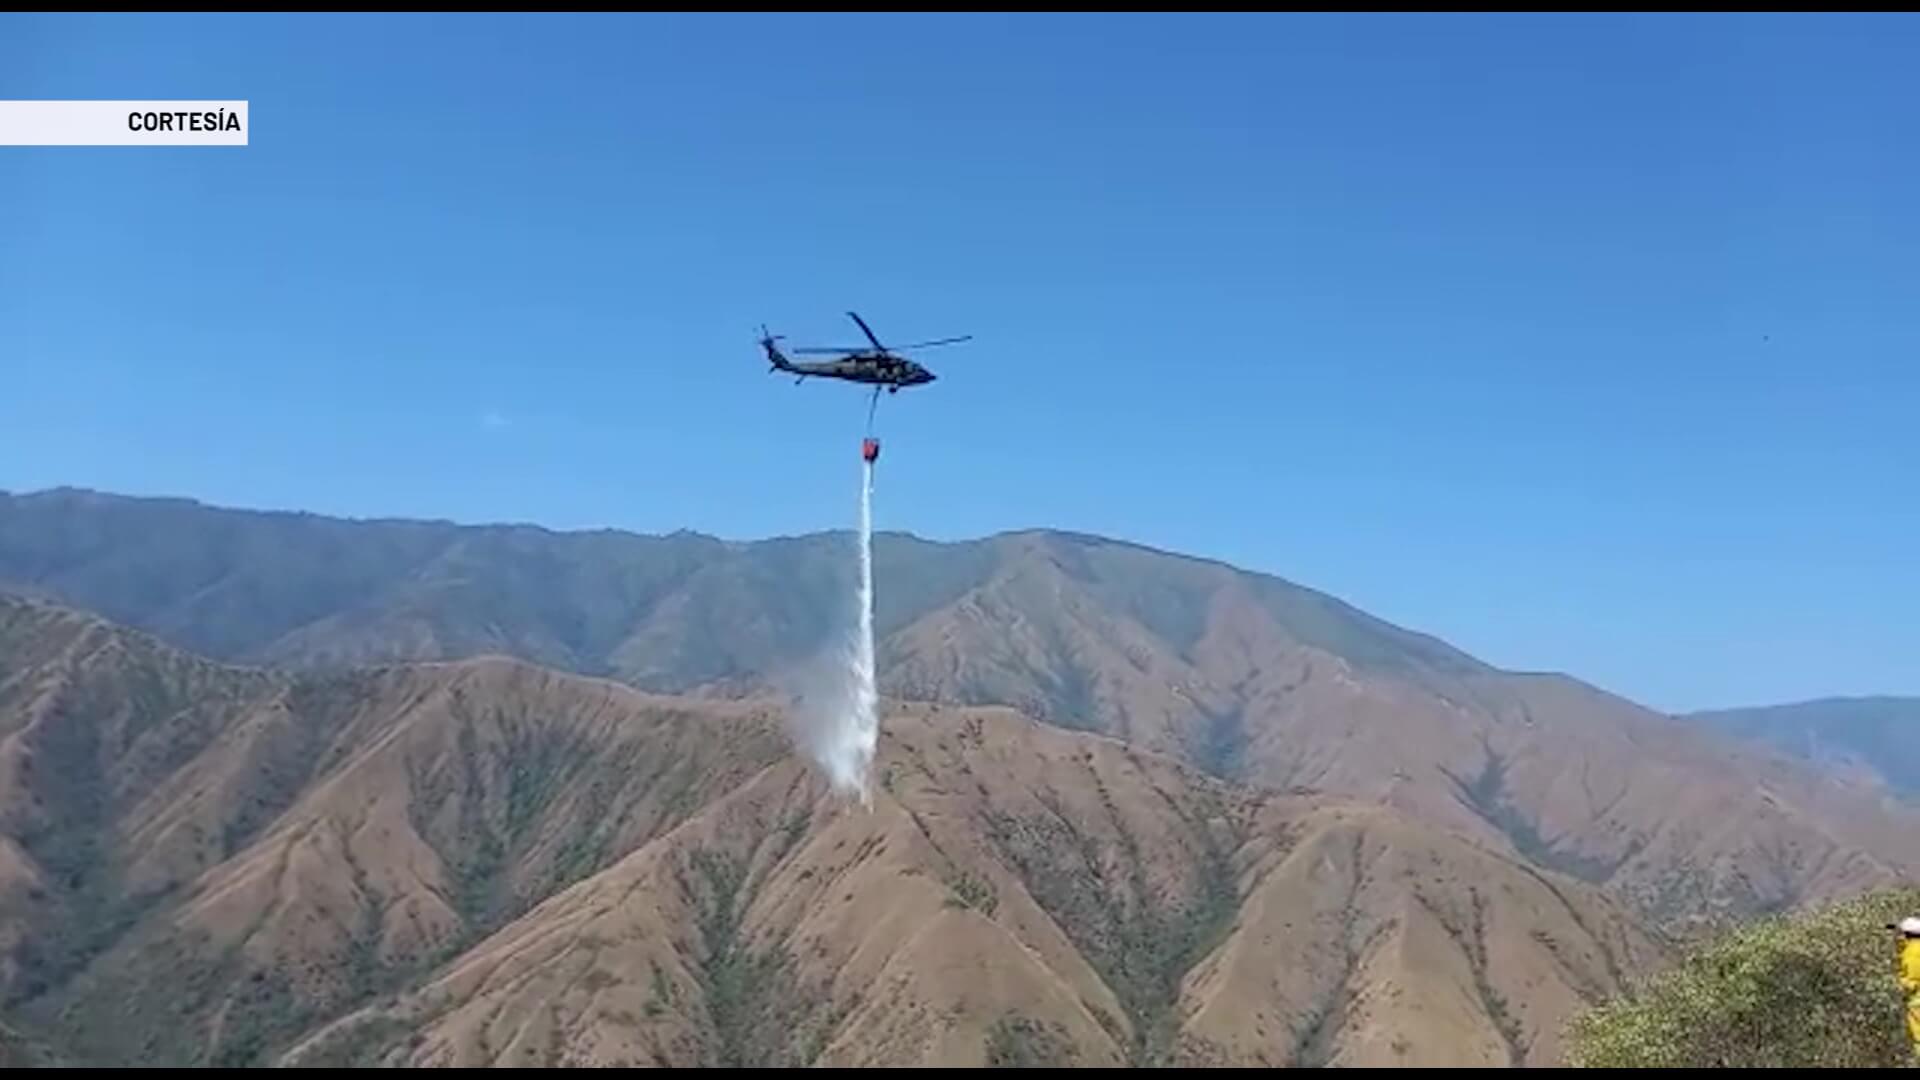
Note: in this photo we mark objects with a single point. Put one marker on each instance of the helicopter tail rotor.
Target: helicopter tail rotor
(774, 356)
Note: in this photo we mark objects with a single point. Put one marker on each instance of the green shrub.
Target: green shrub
(1818, 990)
(1016, 1042)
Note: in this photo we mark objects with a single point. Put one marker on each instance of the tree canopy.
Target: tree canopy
(1815, 990)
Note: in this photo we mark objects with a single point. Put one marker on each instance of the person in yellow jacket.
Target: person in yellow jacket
(1910, 976)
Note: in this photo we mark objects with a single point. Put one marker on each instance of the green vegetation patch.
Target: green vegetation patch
(1818, 990)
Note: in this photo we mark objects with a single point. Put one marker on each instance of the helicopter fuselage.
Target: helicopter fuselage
(891, 371)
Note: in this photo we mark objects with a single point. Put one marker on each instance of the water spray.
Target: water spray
(838, 721)
(864, 724)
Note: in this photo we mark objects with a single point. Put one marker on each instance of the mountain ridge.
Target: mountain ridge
(1858, 734)
(101, 498)
(487, 862)
(1247, 676)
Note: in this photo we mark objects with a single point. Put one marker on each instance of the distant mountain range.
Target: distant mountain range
(1874, 736)
(272, 801)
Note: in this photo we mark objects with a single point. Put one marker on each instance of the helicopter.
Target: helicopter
(879, 367)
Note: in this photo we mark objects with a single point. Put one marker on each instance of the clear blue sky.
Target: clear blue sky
(1589, 344)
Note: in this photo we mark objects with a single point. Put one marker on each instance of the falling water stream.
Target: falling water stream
(836, 714)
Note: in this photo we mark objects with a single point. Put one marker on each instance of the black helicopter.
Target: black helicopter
(877, 367)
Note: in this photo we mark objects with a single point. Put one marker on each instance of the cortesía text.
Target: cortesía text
(219, 120)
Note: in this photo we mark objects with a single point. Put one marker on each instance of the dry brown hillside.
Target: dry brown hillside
(1282, 688)
(1247, 676)
(1021, 896)
(207, 857)
(490, 862)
